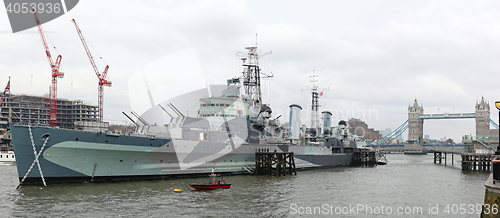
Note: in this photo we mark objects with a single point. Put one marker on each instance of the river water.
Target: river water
(409, 186)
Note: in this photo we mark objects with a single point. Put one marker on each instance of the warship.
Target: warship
(225, 134)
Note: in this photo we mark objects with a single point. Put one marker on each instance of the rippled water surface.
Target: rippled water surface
(406, 183)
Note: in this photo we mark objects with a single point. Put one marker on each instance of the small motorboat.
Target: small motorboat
(381, 159)
(216, 182)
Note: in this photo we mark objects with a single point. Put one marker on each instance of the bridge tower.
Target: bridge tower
(482, 115)
(415, 124)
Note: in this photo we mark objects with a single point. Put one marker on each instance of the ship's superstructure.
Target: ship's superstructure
(225, 134)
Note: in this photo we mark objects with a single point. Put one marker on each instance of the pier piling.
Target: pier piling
(275, 163)
(364, 158)
(476, 162)
(437, 156)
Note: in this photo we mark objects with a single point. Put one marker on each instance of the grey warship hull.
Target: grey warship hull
(80, 156)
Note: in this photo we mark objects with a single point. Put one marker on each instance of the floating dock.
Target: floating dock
(423, 152)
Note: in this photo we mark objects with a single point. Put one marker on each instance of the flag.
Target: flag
(7, 88)
(321, 94)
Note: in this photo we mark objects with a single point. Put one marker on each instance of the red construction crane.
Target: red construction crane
(100, 76)
(55, 74)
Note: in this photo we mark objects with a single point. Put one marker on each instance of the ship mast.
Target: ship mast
(252, 75)
(314, 104)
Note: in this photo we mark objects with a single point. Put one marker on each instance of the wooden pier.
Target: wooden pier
(470, 162)
(438, 157)
(364, 158)
(275, 163)
(476, 162)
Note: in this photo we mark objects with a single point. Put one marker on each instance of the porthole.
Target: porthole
(76, 139)
(106, 141)
(121, 160)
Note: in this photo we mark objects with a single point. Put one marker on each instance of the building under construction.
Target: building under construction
(35, 110)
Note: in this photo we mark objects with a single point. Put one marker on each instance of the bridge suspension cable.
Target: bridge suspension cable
(394, 134)
(493, 123)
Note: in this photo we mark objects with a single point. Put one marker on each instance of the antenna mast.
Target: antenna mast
(314, 105)
(251, 75)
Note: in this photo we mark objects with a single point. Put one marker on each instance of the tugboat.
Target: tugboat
(214, 183)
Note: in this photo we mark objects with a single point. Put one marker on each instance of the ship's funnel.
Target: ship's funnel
(295, 121)
(327, 122)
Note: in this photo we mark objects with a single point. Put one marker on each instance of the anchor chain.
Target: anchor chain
(36, 158)
(1, 137)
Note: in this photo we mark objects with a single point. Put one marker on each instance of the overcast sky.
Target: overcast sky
(372, 58)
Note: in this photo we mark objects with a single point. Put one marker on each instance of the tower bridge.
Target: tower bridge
(416, 117)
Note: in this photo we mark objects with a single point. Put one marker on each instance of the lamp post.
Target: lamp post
(497, 105)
